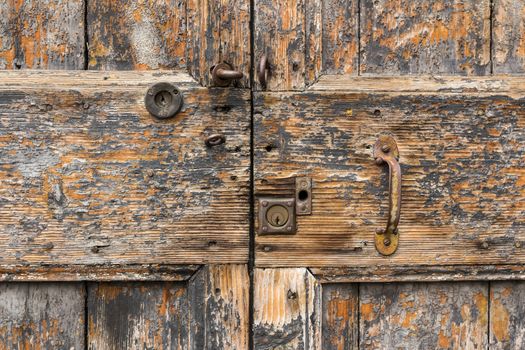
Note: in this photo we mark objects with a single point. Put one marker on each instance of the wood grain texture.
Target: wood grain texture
(109, 272)
(219, 308)
(90, 178)
(507, 322)
(422, 37)
(280, 34)
(287, 309)
(137, 316)
(218, 31)
(42, 316)
(340, 316)
(340, 23)
(509, 36)
(424, 316)
(45, 34)
(137, 34)
(463, 167)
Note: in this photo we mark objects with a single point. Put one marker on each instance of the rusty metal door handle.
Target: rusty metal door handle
(223, 73)
(386, 151)
(262, 73)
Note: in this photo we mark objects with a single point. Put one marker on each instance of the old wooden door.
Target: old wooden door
(362, 93)
(120, 230)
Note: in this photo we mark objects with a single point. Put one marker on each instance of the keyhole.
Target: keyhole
(277, 216)
(163, 99)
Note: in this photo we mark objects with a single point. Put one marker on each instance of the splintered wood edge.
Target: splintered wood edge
(419, 273)
(34, 79)
(76, 273)
(500, 84)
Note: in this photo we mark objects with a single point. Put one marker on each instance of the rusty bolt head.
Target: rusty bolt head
(264, 203)
(386, 242)
(379, 161)
(396, 231)
(485, 245)
(380, 231)
(385, 148)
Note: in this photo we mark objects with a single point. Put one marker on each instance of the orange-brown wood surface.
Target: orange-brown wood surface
(42, 34)
(462, 158)
(89, 177)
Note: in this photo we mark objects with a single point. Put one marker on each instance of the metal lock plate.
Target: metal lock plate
(277, 215)
(163, 100)
(303, 195)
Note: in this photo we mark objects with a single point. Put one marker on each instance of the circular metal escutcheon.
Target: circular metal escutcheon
(163, 100)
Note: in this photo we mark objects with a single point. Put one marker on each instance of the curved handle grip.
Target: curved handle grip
(222, 74)
(386, 151)
(262, 72)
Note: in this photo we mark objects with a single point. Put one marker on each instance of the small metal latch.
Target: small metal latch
(277, 215)
(223, 74)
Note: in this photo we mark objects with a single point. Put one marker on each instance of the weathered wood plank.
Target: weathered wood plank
(507, 311)
(42, 316)
(340, 317)
(287, 307)
(463, 167)
(45, 34)
(280, 34)
(90, 178)
(340, 22)
(137, 34)
(137, 316)
(218, 31)
(509, 36)
(424, 316)
(421, 37)
(414, 273)
(219, 308)
(113, 272)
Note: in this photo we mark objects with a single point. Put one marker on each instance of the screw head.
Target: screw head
(290, 203)
(485, 245)
(303, 207)
(304, 184)
(386, 242)
(150, 173)
(385, 148)
(265, 229)
(517, 244)
(380, 231)
(379, 161)
(267, 249)
(396, 231)
(289, 228)
(264, 203)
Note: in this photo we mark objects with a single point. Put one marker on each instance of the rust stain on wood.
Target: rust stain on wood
(138, 34)
(462, 202)
(42, 34)
(507, 325)
(97, 180)
(42, 316)
(424, 316)
(421, 37)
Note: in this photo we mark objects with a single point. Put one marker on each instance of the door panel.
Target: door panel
(42, 316)
(45, 34)
(462, 160)
(507, 321)
(294, 310)
(508, 37)
(305, 40)
(90, 177)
